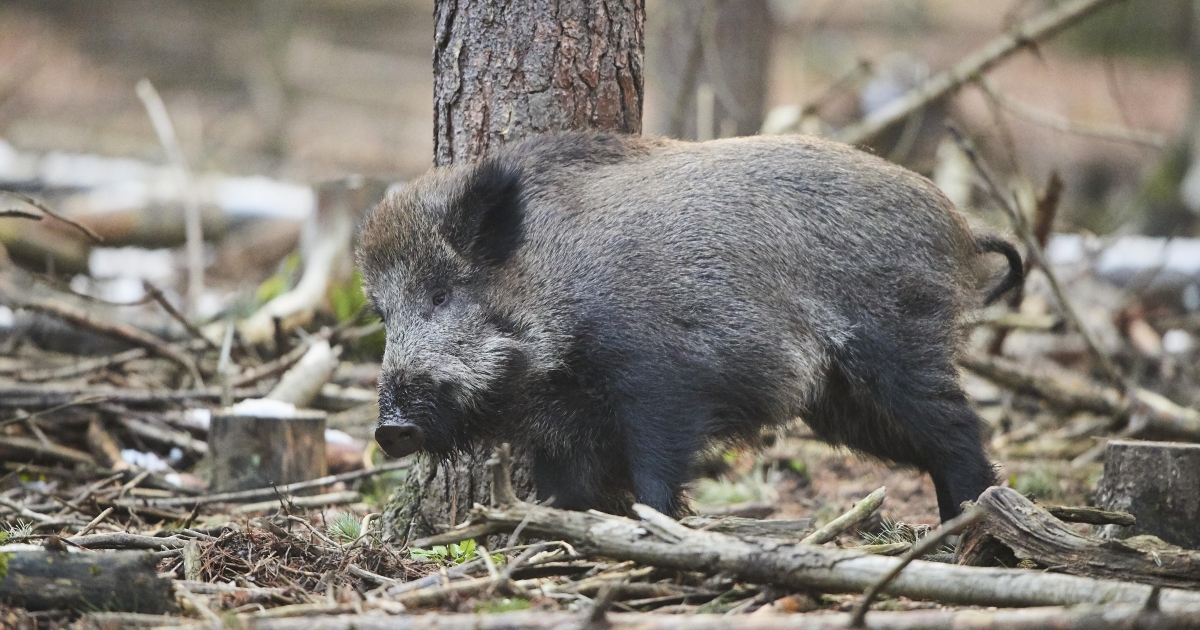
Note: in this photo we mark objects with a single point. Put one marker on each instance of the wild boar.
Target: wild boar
(614, 304)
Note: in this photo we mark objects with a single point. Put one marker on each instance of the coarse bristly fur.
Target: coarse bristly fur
(614, 304)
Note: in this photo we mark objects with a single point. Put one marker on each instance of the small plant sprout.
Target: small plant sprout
(344, 528)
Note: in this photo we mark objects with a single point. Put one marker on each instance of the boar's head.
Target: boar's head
(436, 259)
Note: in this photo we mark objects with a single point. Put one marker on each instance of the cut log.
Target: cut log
(118, 581)
(1015, 529)
(250, 452)
(1159, 484)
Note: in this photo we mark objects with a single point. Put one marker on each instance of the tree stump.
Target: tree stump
(257, 451)
(1158, 483)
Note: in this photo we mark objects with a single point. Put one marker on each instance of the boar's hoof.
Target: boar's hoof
(398, 440)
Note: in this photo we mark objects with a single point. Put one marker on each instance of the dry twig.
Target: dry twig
(117, 330)
(857, 514)
(1034, 251)
(89, 232)
(1033, 30)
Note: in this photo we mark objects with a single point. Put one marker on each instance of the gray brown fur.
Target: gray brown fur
(614, 304)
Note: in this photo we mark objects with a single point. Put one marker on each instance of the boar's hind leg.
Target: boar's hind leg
(910, 412)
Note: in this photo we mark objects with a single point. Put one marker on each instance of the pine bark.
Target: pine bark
(1157, 482)
(505, 70)
(508, 69)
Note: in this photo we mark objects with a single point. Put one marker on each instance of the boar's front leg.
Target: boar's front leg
(581, 481)
(659, 447)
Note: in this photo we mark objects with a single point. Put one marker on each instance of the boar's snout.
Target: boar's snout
(398, 440)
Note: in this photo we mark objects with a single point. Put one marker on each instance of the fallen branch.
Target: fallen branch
(301, 384)
(1090, 515)
(89, 232)
(271, 368)
(94, 522)
(738, 526)
(24, 449)
(859, 513)
(52, 394)
(123, 540)
(104, 447)
(161, 299)
(320, 500)
(41, 519)
(1062, 124)
(117, 330)
(79, 368)
(261, 493)
(1150, 414)
(180, 439)
(193, 230)
(19, 214)
(1029, 532)
(1028, 33)
(1116, 617)
(1019, 321)
(660, 541)
(251, 595)
(119, 581)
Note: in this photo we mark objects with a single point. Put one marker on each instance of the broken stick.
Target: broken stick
(661, 541)
(1033, 30)
(117, 330)
(859, 513)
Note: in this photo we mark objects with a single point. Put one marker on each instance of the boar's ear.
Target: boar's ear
(484, 225)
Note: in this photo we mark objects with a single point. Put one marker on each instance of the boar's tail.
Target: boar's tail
(1016, 269)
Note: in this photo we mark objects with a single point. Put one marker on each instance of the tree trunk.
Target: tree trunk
(503, 71)
(711, 66)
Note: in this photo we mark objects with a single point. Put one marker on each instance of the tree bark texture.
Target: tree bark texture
(507, 69)
(1014, 529)
(1108, 617)
(715, 51)
(250, 452)
(118, 581)
(1157, 482)
(658, 541)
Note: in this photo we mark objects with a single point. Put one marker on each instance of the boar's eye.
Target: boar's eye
(439, 298)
